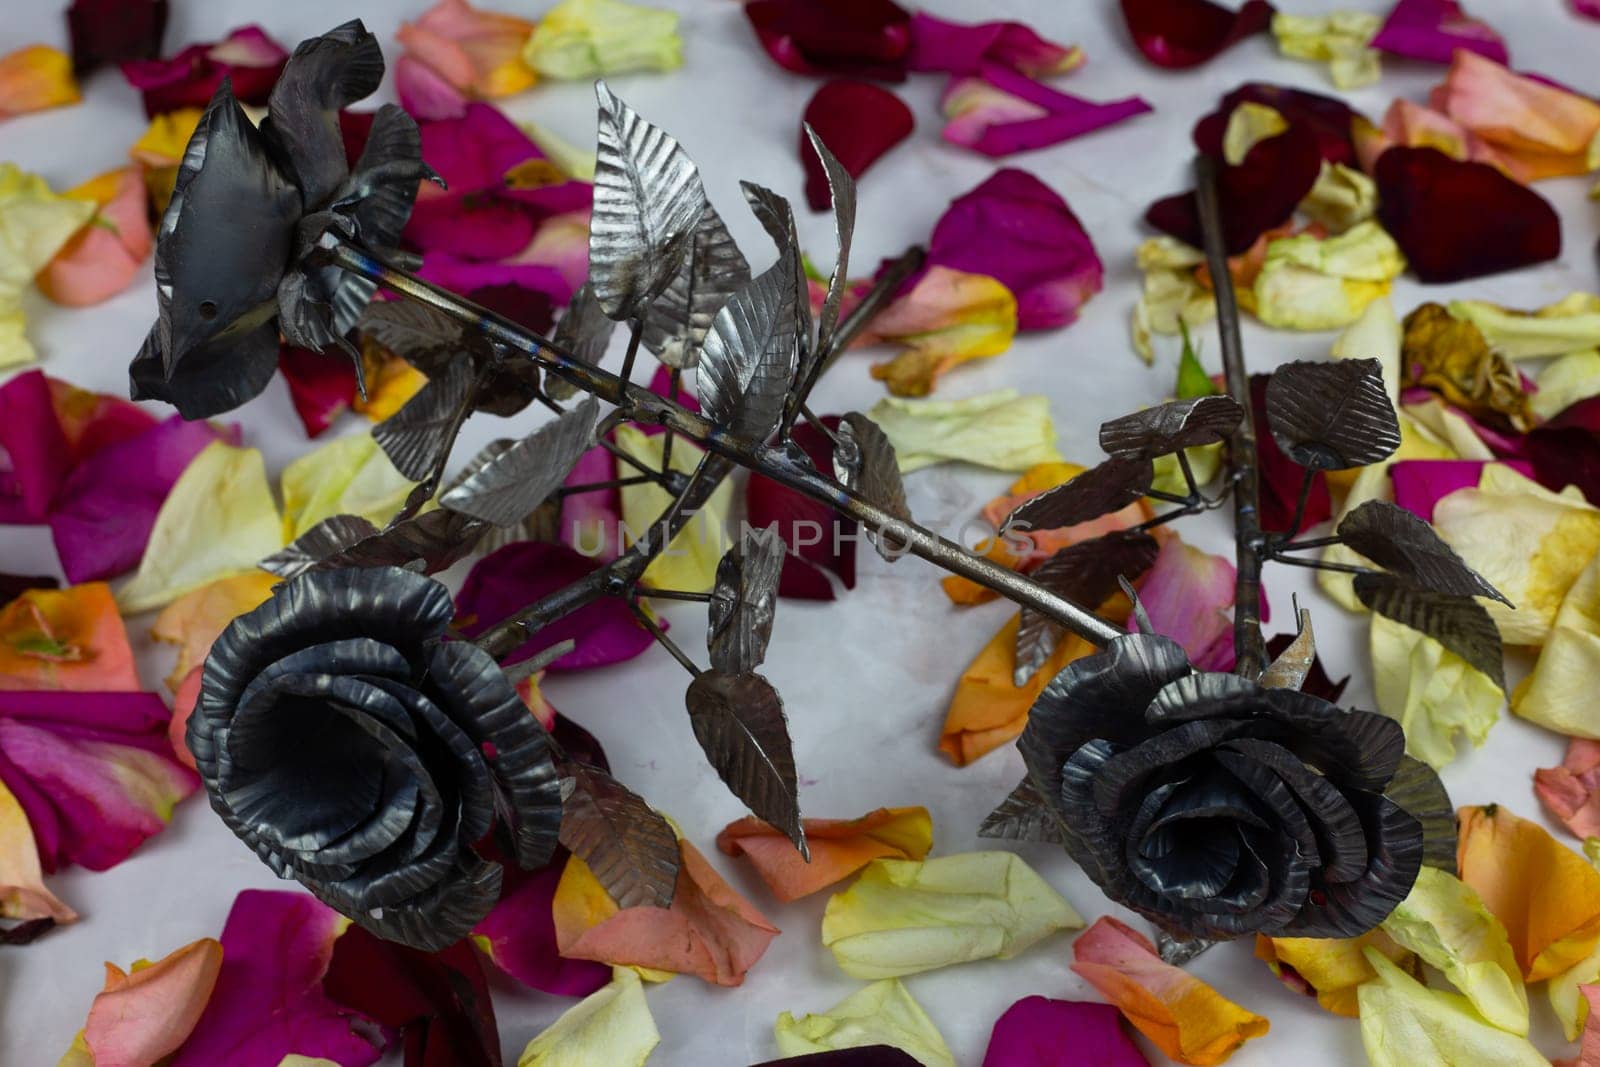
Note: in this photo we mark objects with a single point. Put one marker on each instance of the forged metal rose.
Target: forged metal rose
(235, 259)
(1218, 808)
(354, 749)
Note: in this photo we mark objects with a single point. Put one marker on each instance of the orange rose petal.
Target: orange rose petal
(1331, 969)
(109, 252)
(69, 638)
(35, 78)
(987, 709)
(710, 931)
(391, 381)
(839, 847)
(145, 1014)
(1544, 130)
(1187, 1019)
(1547, 895)
(965, 591)
(184, 699)
(195, 620)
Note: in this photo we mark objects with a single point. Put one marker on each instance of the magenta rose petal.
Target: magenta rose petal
(859, 122)
(520, 935)
(1003, 112)
(1456, 220)
(1186, 33)
(1419, 484)
(963, 48)
(1432, 30)
(1281, 476)
(848, 38)
(34, 455)
(107, 507)
(1019, 231)
(519, 574)
(1040, 1032)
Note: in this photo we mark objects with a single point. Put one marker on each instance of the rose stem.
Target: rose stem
(1249, 542)
(725, 451)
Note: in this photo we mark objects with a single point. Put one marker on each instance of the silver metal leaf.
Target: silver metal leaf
(748, 361)
(1400, 541)
(647, 200)
(426, 338)
(1171, 427)
(1024, 815)
(738, 720)
(1086, 573)
(864, 460)
(1332, 415)
(675, 325)
(776, 216)
(1100, 490)
(1289, 670)
(1417, 789)
(744, 601)
(328, 537)
(585, 331)
(842, 190)
(507, 488)
(414, 436)
(1459, 623)
(627, 845)
(543, 523)
(429, 542)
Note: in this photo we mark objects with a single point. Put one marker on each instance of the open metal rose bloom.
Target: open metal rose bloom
(236, 260)
(354, 749)
(1217, 807)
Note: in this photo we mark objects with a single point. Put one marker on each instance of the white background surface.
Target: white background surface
(865, 679)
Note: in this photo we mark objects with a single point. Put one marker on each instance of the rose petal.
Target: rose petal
(113, 31)
(1555, 695)
(1435, 31)
(1339, 39)
(1000, 112)
(347, 476)
(710, 931)
(1589, 1054)
(35, 456)
(907, 916)
(23, 895)
(882, 1013)
(1187, 595)
(948, 318)
(1456, 220)
(470, 51)
(1037, 1032)
(69, 639)
(322, 385)
(1281, 476)
(277, 948)
(1545, 130)
(1329, 120)
(247, 57)
(93, 771)
(1569, 792)
(1431, 691)
(611, 1026)
(1003, 430)
(848, 38)
(963, 48)
(1311, 283)
(839, 847)
(1415, 126)
(1547, 895)
(1186, 33)
(519, 935)
(35, 78)
(1419, 484)
(1256, 195)
(689, 562)
(145, 1014)
(196, 619)
(1404, 1022)
(586, 38)
(521, 573)
(1331, 969)
(35, 223)
(858, 122)
(1187, 1019)
(819, 541)
(107, 254)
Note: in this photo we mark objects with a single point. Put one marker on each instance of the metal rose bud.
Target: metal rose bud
(1217, 807)
(354, 749)
(237, 258)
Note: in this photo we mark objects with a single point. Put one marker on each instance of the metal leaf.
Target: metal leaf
(777, 217)
(1024, 815)
(1459, 623)
(424, 337)
(1289, 670)
(865, 461)
(628, 846)
(328, 537)
(744, 601)
(748, 361)
(647, 200)
(842, 191)
(738, 720)
(585, 332)
(1086, 573)
(1100, 490)
(675, 325)
(429, 542)
(414, 436)
(543, 523)
(1172, 427)
(1400, 541)
(1416, 788)
(516, 481)
(1332, 415)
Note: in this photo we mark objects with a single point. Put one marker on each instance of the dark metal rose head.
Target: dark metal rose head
(236, 258)
(1218, 808)
(354, 749)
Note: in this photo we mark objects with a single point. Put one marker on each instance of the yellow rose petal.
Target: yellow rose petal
(1406, 1024)
(1434, 693)
(690, 561)
(1004, 430)
(347, 476)
(611, 1027)
(883, 1013)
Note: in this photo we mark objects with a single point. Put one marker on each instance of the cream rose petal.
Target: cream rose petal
(882, 1013)
(611, 1027)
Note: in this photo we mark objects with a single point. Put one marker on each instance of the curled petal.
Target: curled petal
(962, 48)
(1432, 692)
(849, 38)
(859, 122)
(612, 1026)
(1544, 130)
(839, 847)
(999, 112)
(519, 935)
(1569, 325)
(143, 1016)
(247, 57)
(35, 78)
(1310, 283)
(585, 38)
(1331, 969)
(1186, 33)
(1257, 194)
(949, 317)
(1571, 792)
(1003, 430)
(1339, 39)
(1187, 594)
(1436, 30)
(1415, 126)
(1555, 695)
(1404, 1022)
(882, 1013)
(23, 895)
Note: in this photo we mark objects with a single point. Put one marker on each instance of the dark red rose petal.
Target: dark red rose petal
(858, 122)
(14, 585)
(114, 31)
(322, 385)
(1328, 119)
(1281, 476)
(1260, 193)
(853, 38)
(1456, 220)
(1186, 33)
(354, 128)
(819, 540)
(189, 78)
(1566, 449)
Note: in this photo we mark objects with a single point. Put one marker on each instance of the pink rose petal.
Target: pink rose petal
(1188, 594)
(963, 48)
(1000, 112)
(1571, 792)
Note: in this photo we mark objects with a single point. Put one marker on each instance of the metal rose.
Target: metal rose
(236, 258)
(354, 749)
(1217, 808)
